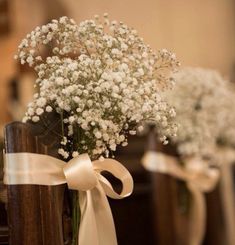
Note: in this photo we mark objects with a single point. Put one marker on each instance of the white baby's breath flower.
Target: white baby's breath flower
(59, 81)
(132, 132)
(41, 102)
(107, 104)
(113, 147)
(98, 135)
(35, 118)
(140, 128)
(203, 100)
(101, 79)
(101, 158)
(30, 111)
(63, 153)
(25, 119)
(39, 111)
(75, 154)
(49, 109)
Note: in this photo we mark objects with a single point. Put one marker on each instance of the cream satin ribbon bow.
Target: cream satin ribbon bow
(96, 225)
(199, 178)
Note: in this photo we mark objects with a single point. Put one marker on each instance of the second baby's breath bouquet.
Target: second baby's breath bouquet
(203, 100)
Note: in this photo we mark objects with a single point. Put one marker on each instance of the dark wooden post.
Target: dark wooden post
(215, 225)
(34, 211)
(3, 198)
(171, 222)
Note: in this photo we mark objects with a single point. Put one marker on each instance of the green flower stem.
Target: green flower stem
(75, 217)
(62, 123)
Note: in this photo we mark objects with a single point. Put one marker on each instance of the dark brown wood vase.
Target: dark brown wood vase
(34, 211)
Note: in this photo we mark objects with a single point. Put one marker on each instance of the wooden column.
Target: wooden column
(34, 211)
(171, 220)
(215, 225)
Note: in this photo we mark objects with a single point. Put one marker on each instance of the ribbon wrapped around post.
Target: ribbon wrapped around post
(199, 178)
(96, 225)
(225, 157)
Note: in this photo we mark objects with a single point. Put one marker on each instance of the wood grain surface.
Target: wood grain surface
(35, 212)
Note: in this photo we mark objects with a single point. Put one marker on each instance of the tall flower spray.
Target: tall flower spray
(103, 81)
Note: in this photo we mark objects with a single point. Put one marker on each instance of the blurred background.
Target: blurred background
(200, 33)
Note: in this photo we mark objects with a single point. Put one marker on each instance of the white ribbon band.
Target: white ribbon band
(96, 225)
(199, 178)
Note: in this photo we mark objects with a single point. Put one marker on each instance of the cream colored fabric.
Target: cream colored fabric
(96, 225)
(199, 179)
(226, 159)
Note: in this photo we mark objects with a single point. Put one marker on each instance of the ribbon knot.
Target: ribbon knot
(79, 173)
(96, 224)
(200, 174)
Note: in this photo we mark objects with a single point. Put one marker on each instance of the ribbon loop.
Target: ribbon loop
(117, 170)
(201, 174)
(79, 173)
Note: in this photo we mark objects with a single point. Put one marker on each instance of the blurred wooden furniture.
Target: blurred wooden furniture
(172, 203)
(215, 226)
(3, 221)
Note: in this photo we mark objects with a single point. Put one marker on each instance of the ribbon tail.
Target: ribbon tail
(228, 201)
(197, 216)
(96, 225)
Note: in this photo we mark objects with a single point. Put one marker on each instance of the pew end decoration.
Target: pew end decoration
(203, 101)
(101, 83)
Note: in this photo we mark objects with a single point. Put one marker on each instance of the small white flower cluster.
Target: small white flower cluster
(203, 101)
(103, 81)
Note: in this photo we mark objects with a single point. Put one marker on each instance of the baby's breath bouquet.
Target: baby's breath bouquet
(101, 79)
(203, 100)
